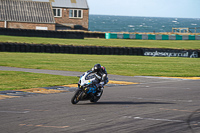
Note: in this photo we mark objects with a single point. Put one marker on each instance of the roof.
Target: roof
(80, 4)
(26, 11)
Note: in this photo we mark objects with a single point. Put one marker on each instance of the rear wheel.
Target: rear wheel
(95, 98)
(75, 99)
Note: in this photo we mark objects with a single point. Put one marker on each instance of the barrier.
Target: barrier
(126, 36)
(185, 37)
(42, 33)
(113, 35)
(151, 36)
(179, 37)
(145, 37)
(107, 35)
(165, 37)
(172, 37)
(138, 36)
(120, 36)
(98, 50)
(197, 37)
(94, 35)
(158, 37)
(191, 37)
(132, 36)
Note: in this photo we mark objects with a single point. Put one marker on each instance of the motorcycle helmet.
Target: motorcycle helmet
(97, 67)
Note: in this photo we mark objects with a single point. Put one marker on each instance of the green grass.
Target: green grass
(10, 80)
(120, 65)
(174, 44)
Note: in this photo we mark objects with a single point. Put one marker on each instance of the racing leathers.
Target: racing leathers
(101, 75)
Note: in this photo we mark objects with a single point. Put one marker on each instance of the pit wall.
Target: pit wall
(151, 37)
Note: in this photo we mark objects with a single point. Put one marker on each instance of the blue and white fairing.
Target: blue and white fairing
(87, 79)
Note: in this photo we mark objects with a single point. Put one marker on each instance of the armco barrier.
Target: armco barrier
(42, 33)
(47, 48)
(151, 37)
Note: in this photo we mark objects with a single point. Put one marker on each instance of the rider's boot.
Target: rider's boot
(99, 91)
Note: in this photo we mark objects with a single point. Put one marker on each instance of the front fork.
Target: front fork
(87, 91)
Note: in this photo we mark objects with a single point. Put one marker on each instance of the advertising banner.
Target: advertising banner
(170, 53)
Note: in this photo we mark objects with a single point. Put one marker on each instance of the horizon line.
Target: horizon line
(142, 16)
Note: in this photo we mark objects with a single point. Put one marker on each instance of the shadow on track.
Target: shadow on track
(124, 103)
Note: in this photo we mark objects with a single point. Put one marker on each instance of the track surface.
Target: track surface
(156, 105)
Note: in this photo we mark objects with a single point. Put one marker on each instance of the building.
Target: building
(70, 14)
(63, 14)
(26, 15)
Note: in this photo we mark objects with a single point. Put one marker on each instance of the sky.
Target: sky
(146, 8)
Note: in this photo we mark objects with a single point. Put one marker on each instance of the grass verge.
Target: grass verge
(10, 80)
(173, 44)
(115, 64)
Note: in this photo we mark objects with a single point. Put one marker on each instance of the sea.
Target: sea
(108, 23)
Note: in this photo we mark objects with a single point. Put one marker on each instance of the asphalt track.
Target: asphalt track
(155, 105)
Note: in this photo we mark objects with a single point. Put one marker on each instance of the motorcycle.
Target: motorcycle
(88, 88)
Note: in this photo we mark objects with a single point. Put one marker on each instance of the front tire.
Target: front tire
(76, 98)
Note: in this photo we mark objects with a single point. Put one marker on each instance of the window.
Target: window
(75, 13)
(57, 12)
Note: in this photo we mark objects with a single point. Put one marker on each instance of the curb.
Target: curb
(51, 90)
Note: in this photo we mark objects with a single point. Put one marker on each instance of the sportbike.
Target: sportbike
(88, 88)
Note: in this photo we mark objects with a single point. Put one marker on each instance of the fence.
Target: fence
(47, 48)
(151, 37)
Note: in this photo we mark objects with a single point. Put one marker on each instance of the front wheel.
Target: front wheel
(75, 99)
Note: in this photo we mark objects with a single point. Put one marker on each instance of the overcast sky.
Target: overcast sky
(149, 8)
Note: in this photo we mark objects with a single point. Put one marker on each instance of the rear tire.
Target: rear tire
(75, 99)
(95, 99)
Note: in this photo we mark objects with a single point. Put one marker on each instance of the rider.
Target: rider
(101, 75)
